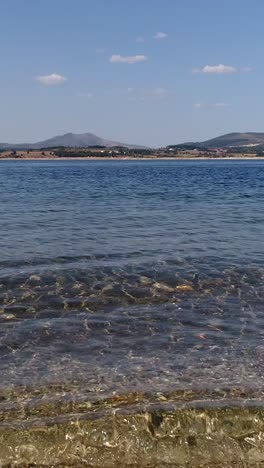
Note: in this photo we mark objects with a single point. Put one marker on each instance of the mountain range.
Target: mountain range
(86, 140)
(69, 140)
(233, 140)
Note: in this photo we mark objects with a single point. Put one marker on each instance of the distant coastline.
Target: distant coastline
(120, 153)
(201, 158)
(89, 146)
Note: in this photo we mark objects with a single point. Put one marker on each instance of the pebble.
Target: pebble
(34, 278)
(184, 287)
(164, 287)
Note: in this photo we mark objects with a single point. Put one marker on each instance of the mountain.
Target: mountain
(70, 140)
(234, 139)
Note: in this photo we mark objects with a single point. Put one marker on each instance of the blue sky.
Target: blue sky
(152, 72)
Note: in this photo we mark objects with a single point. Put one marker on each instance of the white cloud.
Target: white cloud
(128, 59)
(219, 69)
(135, 94)
(160, 35)
(140, 39)
(208, 105)
(51, 80)
(86, 95)
(221, 104)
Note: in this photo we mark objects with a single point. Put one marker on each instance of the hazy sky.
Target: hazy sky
(152, 72)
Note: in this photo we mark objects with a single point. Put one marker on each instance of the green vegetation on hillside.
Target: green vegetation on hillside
(99, 152)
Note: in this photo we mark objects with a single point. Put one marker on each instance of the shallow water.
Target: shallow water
(130, 278)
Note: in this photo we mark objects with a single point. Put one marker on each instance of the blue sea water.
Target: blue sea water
(132, 275)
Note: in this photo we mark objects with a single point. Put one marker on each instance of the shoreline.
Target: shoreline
(173, 434)
(94, 158)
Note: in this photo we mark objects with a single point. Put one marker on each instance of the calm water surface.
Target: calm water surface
(132, 276)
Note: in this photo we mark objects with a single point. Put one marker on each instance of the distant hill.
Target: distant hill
(229, 140)
(69, 140)
(234, 139)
